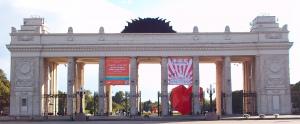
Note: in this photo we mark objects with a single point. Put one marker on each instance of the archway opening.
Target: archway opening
(149, 78)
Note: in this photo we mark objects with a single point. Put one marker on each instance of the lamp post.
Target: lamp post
(81, 93)
(158, 96)
(126, 102)
(210, 91)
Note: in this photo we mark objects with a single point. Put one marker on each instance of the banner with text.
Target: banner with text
(116, 71)
(180, 71)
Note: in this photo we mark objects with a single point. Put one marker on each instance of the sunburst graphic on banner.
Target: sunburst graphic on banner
(180, 71)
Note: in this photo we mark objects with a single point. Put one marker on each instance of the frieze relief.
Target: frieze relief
(24, 72)
(274, 67)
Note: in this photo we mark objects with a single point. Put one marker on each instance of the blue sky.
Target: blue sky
(208, 15)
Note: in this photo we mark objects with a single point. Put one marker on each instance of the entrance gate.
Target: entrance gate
(35, 54)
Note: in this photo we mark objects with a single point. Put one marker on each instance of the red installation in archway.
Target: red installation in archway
(181, 99)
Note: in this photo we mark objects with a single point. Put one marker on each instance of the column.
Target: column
(78, 84)
(55, 90)
(227, 85)
(258, 69)
(51, 88)
(71, 81)
(253, 88)
(247, 87)
(164, 87)
(45, 98)
(81, 65)
(108, 99)
(219, 70)
(101, 86)
(196, 95)
(133, 84)
(37, 95)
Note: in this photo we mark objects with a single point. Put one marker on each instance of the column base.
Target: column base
(211, 116)
(80, 117)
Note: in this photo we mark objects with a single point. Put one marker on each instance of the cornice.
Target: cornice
(151, 47)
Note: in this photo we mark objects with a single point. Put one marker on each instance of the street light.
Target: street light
(210, 91)
(81, 92)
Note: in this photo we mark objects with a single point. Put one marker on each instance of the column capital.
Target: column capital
(196, 58)
(133, 57)
(71, 57)
(227, 58)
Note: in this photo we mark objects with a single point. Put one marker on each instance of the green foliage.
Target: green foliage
(295, 97)
(89, 102)
(119, 101)
(4, 84)
(119, 97)
(117, 107)
(4, 91)
(62, 103)
(237, 102)
(147, 105)
(206, 106)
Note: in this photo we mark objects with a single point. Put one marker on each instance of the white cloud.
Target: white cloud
(83, 16)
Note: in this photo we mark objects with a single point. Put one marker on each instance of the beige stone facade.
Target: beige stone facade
(264, 52)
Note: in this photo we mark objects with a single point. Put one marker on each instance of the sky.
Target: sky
(209, 15)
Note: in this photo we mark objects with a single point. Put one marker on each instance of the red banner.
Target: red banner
(116, 71)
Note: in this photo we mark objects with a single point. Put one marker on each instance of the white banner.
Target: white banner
(180, 71)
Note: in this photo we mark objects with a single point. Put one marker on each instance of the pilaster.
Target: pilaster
(101, 85)
(219, 71)
(273, 91)
(227, 85)
(70, 86)
(196, 95)
(133, 86)
(164, 87)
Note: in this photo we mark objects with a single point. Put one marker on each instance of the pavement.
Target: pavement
(237, 119)
(267, 117)
(290, 121)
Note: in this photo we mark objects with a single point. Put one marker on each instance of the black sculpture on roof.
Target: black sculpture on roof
(148, 25)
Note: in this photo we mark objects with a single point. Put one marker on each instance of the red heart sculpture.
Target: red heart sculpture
(181, 99)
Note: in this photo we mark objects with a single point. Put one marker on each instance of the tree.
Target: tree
(4, 92)
(237, 102)
(89, 102)
(119, 97)
(147, 105)
(206, 105)
(295, 97)
(62, 103)
(119, 101)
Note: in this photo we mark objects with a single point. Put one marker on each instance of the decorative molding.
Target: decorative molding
(101, 37)
(70, 38)
(273, 35)
(25, 38)
(227, 36)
